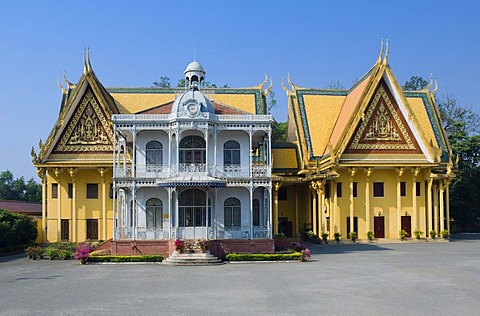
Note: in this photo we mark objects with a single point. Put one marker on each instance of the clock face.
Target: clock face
(193, 109)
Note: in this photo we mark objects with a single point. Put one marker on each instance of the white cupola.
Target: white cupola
(194, 75)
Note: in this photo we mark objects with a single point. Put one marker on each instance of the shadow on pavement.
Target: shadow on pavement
(346, 247)
(12, 257)
(465, 236)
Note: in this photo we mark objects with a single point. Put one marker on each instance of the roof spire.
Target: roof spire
(427, 88)
(89, 66)
(385, 59)
(379, 60)
(85, 70)
(64, 91)
(436, 87)
(69, 84)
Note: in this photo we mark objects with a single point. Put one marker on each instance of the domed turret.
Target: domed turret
(193, 102)
(194, 75)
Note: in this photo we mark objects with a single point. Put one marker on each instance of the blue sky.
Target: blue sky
(133, 43)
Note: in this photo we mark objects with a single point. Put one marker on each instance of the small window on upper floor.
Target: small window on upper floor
(355, 189)
(54, 190)
(339, 189)
(403, 189)
(231, 153)
(417, 189)
(378, 189)
(92, 190)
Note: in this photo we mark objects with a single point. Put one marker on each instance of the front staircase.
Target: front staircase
(192, 259)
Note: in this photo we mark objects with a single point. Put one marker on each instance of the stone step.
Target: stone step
(192, 259)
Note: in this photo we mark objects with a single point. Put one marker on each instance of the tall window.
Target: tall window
(417, 189)
(403, 188)
(54, 190)
(154, 214)
(231, 153)
(192, 208)
(355, 189)
(192, 150)
(154, 155)
(256, 212)
(70, 190)
(65, 229)
(92, 229)
(232, 212)
(378, 190)
(339, 189)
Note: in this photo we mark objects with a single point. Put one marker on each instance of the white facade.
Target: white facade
(192, 174)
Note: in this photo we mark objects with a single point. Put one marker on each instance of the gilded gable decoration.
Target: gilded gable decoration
(382, 127)
(88, 129)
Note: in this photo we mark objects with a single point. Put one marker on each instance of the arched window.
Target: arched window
(231, 153)
(232, 213)
(256, 212)
(154, 155)
(192, 150)
(154, 214)
(192, 208)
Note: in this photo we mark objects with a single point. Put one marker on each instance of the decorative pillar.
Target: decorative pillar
(352, 172)
(435, 208)
(336, 216)
(103, 172)
(368, 172)
(41, 172)
(296, 211)
(323, 207)
(447, 204)
(313, 190)
(58, 171)
(73, 172)
(441, 199)
(399, 199)
(415, 172)
(429, 207)
(276, 187)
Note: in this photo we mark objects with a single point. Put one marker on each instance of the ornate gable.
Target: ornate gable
(383, 128)
(88, 130)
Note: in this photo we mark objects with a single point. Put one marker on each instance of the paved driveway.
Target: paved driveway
(363, 279)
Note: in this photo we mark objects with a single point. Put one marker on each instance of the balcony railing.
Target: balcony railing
(185, 169)
(140, 118)
(214, 232)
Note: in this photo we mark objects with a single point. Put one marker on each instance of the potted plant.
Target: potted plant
(433, 234)
(305, 254)
(353, 236)
(403, 233)
(179, 245)
(34, 252)
(325, 237)
(337, 237)
(370, 235)
(189, 246)
(418, 234)
(444, 234)
(201, 244)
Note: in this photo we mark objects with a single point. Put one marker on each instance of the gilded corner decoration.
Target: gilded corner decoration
(382, 128)
(88, 130)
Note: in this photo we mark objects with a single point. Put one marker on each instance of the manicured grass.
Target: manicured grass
(113, 258)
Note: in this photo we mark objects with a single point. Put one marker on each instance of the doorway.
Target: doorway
(406, 224)
(355, 226)
(379, 227)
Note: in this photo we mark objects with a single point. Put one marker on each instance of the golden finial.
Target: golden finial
(70, 84)
(264, 81)
(430, 83)
(40, 144)
(379, 60)
(436, 87)
(64, 91)
(34, 155)
(287, 90)
(385, 59)
(267, 91)
(85, 68)
(89, 66)
(290, 82)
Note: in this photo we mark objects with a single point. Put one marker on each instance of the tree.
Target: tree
(16, 189)
(335, 85)
(279, 132)
(163, 83)
(16, 229)
(415, 83)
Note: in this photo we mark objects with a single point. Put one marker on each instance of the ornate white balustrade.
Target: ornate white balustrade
(184, 169)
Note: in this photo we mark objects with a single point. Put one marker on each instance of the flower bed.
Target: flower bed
(263, 256)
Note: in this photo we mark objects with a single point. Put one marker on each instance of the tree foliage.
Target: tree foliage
(16, 229)
(279, 132)
(415, 83)
(163, 83)
(18, 190)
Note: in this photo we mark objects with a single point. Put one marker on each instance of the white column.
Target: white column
(323, 207)
(58, 171)
(429, 207)
(276, 187)
(313, 186)
(43, 177)
(368, 172)
(335, 208)
(442, 210)
(435, 208)
(352, 175)
(250, 189)
(447, 204)
(415, 172)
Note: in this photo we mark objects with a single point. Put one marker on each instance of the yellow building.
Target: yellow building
(372, 158)
(83, 200)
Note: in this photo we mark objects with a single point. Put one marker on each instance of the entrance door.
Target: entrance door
(406, 225)
(355, 226)
(379, 226)
(285, 226)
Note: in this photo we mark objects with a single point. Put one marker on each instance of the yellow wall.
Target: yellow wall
(85, 208)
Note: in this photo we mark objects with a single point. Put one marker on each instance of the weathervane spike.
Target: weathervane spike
(379, 60)
(385, 60)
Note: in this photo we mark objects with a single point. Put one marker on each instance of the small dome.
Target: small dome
(194, 66)
(192, 103)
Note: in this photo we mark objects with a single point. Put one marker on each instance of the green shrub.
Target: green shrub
(353, 236)
(118, 258)
(337, 237)
(417, 233)
(262, 256)
(444, 234)
(403, 233)
(52, 252)
(433, 234)
(370, 235)
(16, 229)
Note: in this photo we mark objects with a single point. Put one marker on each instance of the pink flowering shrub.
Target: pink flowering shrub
(82, 251)
(179, 244)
